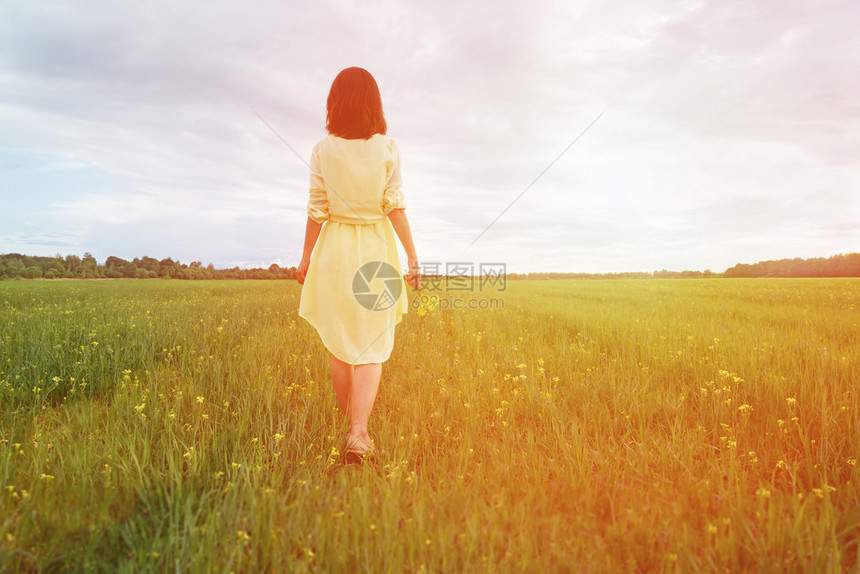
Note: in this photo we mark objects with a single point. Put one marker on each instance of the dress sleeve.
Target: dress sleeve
(392, 196)
(318, 202)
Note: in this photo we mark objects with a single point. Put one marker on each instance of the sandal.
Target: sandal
(358, 451)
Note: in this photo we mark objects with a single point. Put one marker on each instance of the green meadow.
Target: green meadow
(702, 425)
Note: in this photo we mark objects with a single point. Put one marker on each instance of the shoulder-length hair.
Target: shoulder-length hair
(354, 106)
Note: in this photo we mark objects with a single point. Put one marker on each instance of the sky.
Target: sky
(729, 131)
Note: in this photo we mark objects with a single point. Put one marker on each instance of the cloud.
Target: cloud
(731, 130)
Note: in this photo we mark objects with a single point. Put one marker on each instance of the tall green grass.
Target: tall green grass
(638, 426)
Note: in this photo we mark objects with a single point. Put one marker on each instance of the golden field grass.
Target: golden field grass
(703, 425)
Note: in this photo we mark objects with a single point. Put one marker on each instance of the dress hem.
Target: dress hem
(349, 362)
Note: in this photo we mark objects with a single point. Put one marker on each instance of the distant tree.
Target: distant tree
(168, 268)
(14, 267)
(113, 261)
(149, 263)
(32, 272)
(89, 266)
(195, 273)
(73, 264)
(52, 266)
(129, 270)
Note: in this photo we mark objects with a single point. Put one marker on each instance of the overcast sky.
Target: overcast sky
(731, 130)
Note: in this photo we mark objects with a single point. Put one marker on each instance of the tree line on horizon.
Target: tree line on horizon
(17, 266)
(842, 265)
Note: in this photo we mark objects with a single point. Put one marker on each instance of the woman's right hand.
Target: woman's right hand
(302, 270)
(413, 278)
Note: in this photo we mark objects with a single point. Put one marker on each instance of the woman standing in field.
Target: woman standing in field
(353, 291)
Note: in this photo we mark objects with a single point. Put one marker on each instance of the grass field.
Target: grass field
(633, 426)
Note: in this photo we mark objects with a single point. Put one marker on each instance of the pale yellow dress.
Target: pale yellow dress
(354, 293)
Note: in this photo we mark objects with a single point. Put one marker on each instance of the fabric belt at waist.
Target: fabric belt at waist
(356, 220)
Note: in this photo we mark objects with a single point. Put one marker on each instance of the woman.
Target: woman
(353, 292)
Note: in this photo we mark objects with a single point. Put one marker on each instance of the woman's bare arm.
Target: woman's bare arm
(400, 223)
(312, 233)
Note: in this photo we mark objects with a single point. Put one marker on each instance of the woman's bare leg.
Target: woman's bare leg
(341, 378)
(356, 387)
(365, 385)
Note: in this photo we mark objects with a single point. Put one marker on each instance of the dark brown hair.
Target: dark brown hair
(354, 107)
